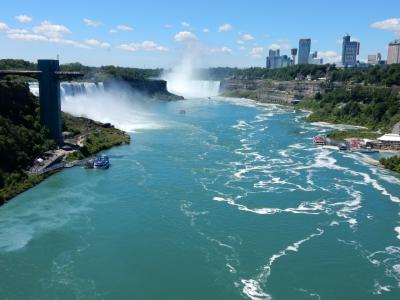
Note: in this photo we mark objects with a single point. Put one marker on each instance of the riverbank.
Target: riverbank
(27, 155)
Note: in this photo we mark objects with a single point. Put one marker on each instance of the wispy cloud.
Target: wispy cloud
(51, 30)
(280, 44)
(146, 46)
(206, 30)
(23, 18)
(220, 50)
(91, 23)
(3, 26)
(124, 28)
(392, 24)
(185, 24)
(329, 56)
(168, 26)
(247, 37)
(225, 27)
(257, 52)
(27, 37)
(185, 36)
(96, 43)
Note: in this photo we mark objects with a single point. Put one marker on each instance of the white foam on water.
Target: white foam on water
(397, 229)
(252, 287)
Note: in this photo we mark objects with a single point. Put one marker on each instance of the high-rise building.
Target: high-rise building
(350, 50)
(275, 60)
(394, 53)
(314, 60)
(304, 51)
(294, 53)
(375, 59)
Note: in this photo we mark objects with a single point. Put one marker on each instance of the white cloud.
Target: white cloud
(280, 44)
(96, 43)
(257, 52)
(388, 24)
(51, 30)
(146, 46)
(239, 42)
(329, 56)
(206, 30)
(220, 50)
(27, 37)
(185, 24)
(16, 30)
(247, 37)
(185, 36)
(91, 23)
(241, 48)
(112, 31)
(124, 28)
(3, 26)
(225, 27)
(23, 18)
(68, 42)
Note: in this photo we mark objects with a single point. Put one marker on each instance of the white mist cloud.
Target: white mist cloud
(23, 18)
(239, 42)
(113, 31)
(225, 27)
(124, 28)
(91, 23)
(185, 36)
(206, 30)
(146, 46)
(388, 24)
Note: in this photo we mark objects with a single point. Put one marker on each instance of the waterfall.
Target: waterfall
(194, 88)
(69, 89)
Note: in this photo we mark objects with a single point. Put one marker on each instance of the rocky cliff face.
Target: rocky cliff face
(272, 91)
(153, 88)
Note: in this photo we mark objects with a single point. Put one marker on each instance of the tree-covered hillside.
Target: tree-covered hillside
(22, 138)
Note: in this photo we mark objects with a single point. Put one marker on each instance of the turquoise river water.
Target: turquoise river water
(230, 201)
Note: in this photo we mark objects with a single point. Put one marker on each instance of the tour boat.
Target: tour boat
(320, 140)
(101, 162)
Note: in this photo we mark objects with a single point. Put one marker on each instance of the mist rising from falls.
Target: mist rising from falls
(117, 105)
(182, 79)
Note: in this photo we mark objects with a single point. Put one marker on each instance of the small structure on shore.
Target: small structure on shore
(389, 141)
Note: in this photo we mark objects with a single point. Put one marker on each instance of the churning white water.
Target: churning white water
(194, 88)
(116, 105)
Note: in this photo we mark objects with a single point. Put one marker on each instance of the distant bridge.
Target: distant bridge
(49, 77)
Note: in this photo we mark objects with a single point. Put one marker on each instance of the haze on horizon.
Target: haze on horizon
(222, 33)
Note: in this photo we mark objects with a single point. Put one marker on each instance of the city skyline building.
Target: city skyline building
(394, 53)
(304, 51)
(350, 50)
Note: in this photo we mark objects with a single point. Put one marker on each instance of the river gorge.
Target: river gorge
(229, 201)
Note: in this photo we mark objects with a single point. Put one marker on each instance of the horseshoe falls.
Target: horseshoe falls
(230, 201)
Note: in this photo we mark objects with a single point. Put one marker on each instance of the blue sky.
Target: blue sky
(220, 33)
